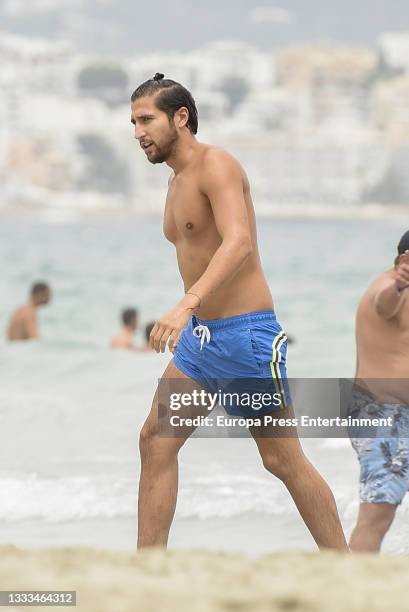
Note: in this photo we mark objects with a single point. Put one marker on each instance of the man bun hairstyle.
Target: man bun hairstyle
(170, 96)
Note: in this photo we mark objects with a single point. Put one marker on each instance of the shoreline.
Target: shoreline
(250, 534)
(301, 211)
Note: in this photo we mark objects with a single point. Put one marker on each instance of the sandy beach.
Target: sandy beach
(199, 581)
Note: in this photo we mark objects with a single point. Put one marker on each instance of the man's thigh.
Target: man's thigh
(279, 441)
(169, 420)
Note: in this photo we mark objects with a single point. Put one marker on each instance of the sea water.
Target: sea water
(71, 408)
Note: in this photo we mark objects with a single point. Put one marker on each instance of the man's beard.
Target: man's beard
(163, 152)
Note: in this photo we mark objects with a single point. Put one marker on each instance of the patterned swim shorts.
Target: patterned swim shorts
(384, 459)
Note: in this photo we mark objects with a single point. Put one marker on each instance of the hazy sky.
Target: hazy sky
(110, 26)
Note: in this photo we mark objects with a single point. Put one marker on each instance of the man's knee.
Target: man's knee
(147, 436)
(378, 519)
(156, 449)
(277, 465)
(286, 460)
(381, 526)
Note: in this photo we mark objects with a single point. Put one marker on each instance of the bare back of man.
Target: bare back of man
(23, 324)
(382, 338)
(123, 339)
(209, 217)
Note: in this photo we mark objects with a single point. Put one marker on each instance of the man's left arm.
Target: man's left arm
(222, 183)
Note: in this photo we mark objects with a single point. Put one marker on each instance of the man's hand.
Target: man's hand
(170, 326)
(402, 273)
(389, 296)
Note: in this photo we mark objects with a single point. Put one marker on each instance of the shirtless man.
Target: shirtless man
(209, 217)
(125, 337)
(23, 323)
(382, 336)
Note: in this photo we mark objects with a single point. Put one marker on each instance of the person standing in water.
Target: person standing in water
(125, 337)
(23, 324)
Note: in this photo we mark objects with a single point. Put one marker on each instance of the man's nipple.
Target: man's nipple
(189, 225)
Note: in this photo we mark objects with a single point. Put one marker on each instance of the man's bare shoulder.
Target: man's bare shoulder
(122, 340)
(25, 311)
(380, 281)
(22, 324)
(215, 156)
(217, 164)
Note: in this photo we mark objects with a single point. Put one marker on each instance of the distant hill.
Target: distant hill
(129, 26)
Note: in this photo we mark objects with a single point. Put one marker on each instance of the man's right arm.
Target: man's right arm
(388, 299)
(391, 293)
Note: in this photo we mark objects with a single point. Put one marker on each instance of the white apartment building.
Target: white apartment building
(394, 47)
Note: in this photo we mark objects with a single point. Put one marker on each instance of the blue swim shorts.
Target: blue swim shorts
(384, 459)
(240, 355)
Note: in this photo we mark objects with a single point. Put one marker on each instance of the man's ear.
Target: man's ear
(181, 117)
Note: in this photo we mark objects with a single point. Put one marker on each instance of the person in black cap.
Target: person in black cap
(382, 337)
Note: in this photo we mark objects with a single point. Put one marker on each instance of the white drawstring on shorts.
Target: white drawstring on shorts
(202, 332)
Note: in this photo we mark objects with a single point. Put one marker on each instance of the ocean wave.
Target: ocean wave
(76, 498)
(225, 496)
(66, 499)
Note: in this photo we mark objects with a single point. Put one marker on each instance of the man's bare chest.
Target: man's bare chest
(390, 332)
(187, 212)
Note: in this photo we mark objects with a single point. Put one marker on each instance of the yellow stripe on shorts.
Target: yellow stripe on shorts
(274, 365)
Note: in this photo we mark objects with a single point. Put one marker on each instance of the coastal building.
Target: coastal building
(394, 50)
(312, 125)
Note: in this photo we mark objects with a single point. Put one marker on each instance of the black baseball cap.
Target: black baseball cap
(403, 243)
